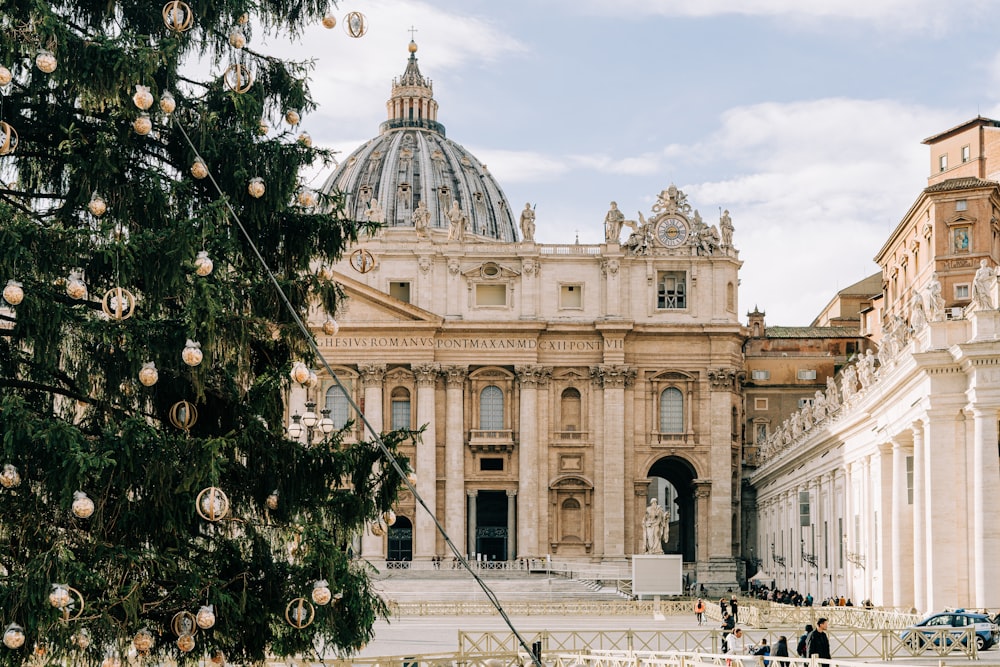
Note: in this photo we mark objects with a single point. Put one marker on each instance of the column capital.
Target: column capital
(612, 376)
(702, 488)
(728, 379)
(472, 493)
(532, 376)
(426, 373)
(372, 375)
(511, 493)
(454, 376)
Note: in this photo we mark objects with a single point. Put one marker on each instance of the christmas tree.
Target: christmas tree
(152, 503)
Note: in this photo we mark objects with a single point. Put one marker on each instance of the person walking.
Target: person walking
(734, 609)
(800, 649)
(699, 611)
(818, 643)
(732, 645)
(781, 650)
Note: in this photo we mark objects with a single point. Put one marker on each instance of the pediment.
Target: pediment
(571, 374)
(490, 270)
(367, 305)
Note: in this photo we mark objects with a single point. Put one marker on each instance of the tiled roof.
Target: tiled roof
(960, 184)
(813, 332)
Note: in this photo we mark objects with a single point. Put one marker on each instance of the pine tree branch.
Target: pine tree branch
(37, 386)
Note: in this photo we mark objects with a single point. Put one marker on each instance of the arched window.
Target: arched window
(336, 403)
(569, 417)
(671, 411)
(491, 409)
(400, 404)
(730, 297)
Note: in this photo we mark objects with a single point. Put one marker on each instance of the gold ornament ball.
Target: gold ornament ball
(389, 517)
(256, 187)
(46, 61)
(97, 205)
(321, 593)
(378, 528)
(185, 643)
(5, 76)
(331, 327)
(83, 507)
(237, 39)
(300, 372)
(199, 169)
(203, 264)
(75, 287)
(272, 501)
(313, 380)
(218, 657)
(329, 21)
(212, 505)
(59, 597)
(148, 375)
(142, 98)
(192, 354)
(82, 639)
(205, 618)
(292, 116)
(142, 125)
(10, 477)
(305, 140)
(13, 292)
(167, 102)
(13, 636)
(143, 641)
(307, 198)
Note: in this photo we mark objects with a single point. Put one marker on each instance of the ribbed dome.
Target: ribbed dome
(412, 161)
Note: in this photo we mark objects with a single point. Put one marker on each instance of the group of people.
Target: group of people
(792, 597)
(814, 642)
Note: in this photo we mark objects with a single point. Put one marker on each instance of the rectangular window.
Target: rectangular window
(803, 402)
(491, 295)
(671, 290)
(492, 465)
(966, 154)
(571, 296)
(850, 348)
(962, 205)
(909, 480)
(400, 414)
(943, 162)
(760, 404)
(760, 375)
(804, 509)
(400, 290)
(962, 292)
(807, 374)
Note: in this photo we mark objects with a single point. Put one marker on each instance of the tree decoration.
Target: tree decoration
(411, 477)
(8, 138)
(142, 98)
(356, 24)
(331, 327)
(183, 415)
(305, 139)
(238, 78)
(60, 597)
(272, 500)
(192, 354)
(205, 618)
(185, 643)
(299, 372)
(83, 507)
(13, 292)
(237, 39)
(9, 477)
(203, 264)
(167, 102)
(75, 287)
(118, 304)
(199, 169)
(212, 505)
(218, 657)
(307, 198)
(5, 76)
(177, 16)
(111, 661)
(82, 639)
(97, 205)
(184, 624)
(148, 375)
(292, 116)
(321, 593)
(262, 128)
(329, 21)
(13, 636)
(300, 613)
(143, 124)
(143, 641)
(45, 61)
(256, 187)
(378, 527)
(389, 517)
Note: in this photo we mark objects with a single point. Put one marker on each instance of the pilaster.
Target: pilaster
(454, 453)
(425, 536)
(613, 378)
(529, 378)
(373, 379)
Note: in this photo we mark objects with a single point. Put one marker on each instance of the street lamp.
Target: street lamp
(310, 423)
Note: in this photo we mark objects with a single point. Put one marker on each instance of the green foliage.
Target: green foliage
(73, 416)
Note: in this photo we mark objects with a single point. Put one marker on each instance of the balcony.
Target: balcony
(481, 440)
(670, 439)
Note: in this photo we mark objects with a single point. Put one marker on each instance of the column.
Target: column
(919, 548)
(867, 526)
(703, 516)
(372, 379)
(529, 378)
(511, 524)
(472, 524)
(985, 495)
(899, 507)
(454, 455)
(425, 532)
(613, 378)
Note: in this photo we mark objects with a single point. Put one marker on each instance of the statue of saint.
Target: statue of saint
(982, 287)
(655, 528)
(726, 227)
(375, 212)
(918, 318)
(528, 224)
(613, 221)
(421, 218)
(935, 302)
(456, 217)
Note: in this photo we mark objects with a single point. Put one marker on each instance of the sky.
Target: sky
(803, 118)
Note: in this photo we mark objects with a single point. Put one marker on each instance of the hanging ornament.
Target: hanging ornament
(203, 264)
(199, 169)
(299, 372)
(118, 304)
(307, 198)
(329, 21)
(184, 624)
(177, 16)
(183, 415)
(148, 375)
(8, 138)
(142, 98)
(218, 657)
(356, 24)
(75, 287)
(411, 477)
(272, 500)
(378, 527)
(238, 78)
(185, 643)
(81, 639)
(13, 293)
(262, 129)
(256, 187)
(300, 613)
(5, 76)
(362, 260)
(142, 125)
(205, 618)
(97, 205)
(167, 102)
(389, 517)
(60, 597)
(13, 636)
(237, 39)
(312, 381)
(46, 61)
(331, 327)
(321, 593)
(292, 116)
(305, 139)
(243, 19)
(143, 641)
(83, 507)
(212, 504)
(9, 477)
(192, 354)
(325, 273)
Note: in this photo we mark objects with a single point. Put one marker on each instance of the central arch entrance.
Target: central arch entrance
(491, 525)
(672, 477)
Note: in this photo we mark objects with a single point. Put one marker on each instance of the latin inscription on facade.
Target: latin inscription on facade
(431, 343)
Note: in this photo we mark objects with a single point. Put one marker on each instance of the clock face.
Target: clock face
(671, 232)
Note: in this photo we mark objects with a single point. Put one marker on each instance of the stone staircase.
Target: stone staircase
(508, 585)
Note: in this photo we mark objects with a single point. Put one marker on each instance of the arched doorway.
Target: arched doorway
(676, 493)
(400, 547)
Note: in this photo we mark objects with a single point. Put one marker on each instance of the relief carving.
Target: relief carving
(372, 374)
(612, 376)
(426, 374)
(533, 376)
(609, 267)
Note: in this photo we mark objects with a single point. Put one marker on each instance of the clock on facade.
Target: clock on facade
(671, 232)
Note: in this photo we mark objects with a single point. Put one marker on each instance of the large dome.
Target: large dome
(412, 161)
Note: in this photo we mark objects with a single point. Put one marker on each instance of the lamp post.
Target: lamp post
(310, 424)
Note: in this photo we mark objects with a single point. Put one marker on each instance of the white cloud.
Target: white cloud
(520, 166)
(640, 164)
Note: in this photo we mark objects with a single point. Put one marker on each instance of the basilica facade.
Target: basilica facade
(560, 387)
